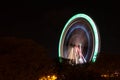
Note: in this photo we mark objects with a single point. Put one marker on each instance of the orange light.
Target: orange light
(52, 77)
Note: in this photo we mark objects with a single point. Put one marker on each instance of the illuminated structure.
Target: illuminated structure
(79, 40)
(75, 54)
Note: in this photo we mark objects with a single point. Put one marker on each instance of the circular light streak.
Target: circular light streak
(95, 34)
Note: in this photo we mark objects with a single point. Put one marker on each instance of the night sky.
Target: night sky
(44, 21)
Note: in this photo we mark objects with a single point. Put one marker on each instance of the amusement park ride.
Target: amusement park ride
(79, 41)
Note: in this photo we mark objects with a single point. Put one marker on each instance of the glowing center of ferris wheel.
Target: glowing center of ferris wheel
(74, 45)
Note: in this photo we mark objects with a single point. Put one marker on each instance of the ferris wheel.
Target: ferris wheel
(80, 40)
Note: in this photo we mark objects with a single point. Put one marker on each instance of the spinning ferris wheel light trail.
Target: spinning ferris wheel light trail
(79, 41)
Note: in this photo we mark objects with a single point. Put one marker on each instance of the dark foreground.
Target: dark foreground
(23, 59)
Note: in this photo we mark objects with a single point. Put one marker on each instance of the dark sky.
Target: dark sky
(44, 21)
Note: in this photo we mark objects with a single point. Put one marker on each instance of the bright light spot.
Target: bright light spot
(54, 77)
(49, 77)
(105, 75)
